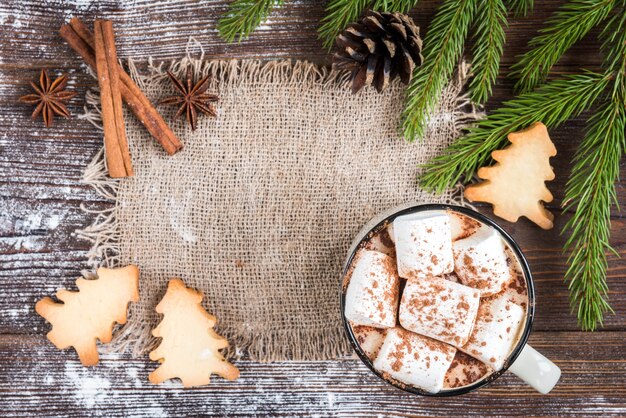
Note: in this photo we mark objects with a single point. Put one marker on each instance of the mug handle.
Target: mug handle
(536, 370)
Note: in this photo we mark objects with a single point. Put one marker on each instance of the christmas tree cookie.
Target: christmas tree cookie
(189, 348)
(90, 314)
(515, 185)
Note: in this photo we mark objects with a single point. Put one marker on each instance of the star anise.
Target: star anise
(192, 98)
(49, 97)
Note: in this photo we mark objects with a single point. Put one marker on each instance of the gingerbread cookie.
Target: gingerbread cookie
(515, 185)
(189, 348)
(90, 314)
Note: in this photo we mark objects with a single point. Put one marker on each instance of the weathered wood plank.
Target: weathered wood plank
(162, 29)
(43, 381)
(41, 193)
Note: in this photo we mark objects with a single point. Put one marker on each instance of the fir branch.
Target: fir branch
(614, 48)
(338, 14)
(243, 17)
(443, 47)
(552, 103)
(402, 6)
(567, 26)
(590, 190)
(520, 7)
(490, 38)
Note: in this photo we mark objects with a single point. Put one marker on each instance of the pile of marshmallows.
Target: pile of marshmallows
(452, 299)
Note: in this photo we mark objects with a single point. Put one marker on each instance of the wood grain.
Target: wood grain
(40, 208)
(53, 383)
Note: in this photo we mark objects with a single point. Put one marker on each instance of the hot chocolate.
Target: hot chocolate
(446, 308)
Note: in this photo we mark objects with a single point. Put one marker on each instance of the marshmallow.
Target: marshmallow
(370, 339)
(496, 331)
(414, 359)
(440, 309)
(480, 261)
(423, 245)
(373, 291)
(462, 226)
(464, 371)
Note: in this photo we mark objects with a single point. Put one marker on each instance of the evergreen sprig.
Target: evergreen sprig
(401, 6)
(443, 47)
(552, 103)
(243, 17)
(341, 12)
(520, 7)
(590, 193)
(488, 48)
(568, 25)
(590, 190)
(338, 14)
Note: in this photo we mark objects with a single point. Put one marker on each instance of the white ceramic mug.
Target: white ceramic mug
(524, 361)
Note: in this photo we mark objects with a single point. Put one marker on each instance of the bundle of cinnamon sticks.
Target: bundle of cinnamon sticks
(99, 52)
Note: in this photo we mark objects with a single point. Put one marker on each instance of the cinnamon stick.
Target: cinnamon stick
(115, 141)
(81, 40)
(110, 53)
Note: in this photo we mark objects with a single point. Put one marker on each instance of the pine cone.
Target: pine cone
(378, 48)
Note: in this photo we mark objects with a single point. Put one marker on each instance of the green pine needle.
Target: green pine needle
(568, 25)
(552, 104)
(590, 190)
(402, 6)
(520, 7)
(443, 47)
(338, 14)
(243, 17)
(614, 48)
(490, 38)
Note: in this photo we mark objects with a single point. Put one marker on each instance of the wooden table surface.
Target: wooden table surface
(41, 195)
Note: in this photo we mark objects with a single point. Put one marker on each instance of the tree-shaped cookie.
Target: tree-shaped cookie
(90, 313)
(515, 185)
(189, 348)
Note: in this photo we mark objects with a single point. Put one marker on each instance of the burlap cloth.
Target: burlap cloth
(259, 208)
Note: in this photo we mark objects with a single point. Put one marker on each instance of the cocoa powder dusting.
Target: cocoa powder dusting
(463, 306)
(469, 264)
(381, 308)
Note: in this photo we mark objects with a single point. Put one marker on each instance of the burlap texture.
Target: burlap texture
(260, 207)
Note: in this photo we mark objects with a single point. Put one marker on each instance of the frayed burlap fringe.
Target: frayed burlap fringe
(256, 252)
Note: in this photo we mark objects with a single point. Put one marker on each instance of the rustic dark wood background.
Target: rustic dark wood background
(41, 194)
